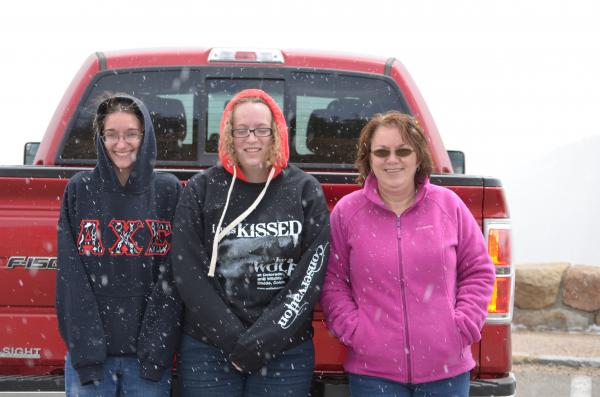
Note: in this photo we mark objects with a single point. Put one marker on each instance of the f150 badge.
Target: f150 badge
(32, 262)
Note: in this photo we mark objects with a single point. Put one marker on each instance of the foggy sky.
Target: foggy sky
(514, 84)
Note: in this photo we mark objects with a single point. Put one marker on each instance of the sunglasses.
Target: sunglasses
(400, 152)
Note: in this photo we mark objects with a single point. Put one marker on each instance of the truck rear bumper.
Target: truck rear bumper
(32, 385)
(32, 394)
(53, 386)
(501, 387)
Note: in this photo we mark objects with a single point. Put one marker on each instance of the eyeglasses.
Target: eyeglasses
(130, 136)
(260, 132)
(400, 152)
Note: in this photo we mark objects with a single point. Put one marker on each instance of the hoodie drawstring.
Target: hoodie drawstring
(222, 233)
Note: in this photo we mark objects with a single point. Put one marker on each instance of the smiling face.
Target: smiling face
(393, 173)
(253, 152)
(122, 153)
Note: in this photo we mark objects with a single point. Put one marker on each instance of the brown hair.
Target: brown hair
(411, 133)
(227, 137)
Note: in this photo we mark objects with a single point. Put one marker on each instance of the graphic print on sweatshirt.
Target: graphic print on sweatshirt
(256, 256)
(295, 303)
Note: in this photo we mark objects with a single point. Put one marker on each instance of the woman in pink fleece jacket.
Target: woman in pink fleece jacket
(409, 277)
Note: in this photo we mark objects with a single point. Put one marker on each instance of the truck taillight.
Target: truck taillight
(500, 303)
(499, 246)
(497, 234)
(267, 55)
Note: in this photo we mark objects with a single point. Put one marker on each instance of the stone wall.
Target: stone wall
(557, 296)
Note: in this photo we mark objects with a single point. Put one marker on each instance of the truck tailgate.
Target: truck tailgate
(29, 336)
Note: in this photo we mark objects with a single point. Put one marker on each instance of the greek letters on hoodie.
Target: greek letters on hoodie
(408, 295)
(114, 286)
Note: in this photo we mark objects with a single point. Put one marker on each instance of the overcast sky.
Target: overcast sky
(514, 84)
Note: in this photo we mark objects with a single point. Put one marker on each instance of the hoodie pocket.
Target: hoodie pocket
(121, 318)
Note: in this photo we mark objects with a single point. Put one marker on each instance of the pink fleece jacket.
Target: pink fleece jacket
(407, 294)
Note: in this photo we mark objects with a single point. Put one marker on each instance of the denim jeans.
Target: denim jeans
(367, 386)
(121, 377)
(203, 370)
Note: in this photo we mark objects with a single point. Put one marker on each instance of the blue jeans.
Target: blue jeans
(367, 386)
(203, 370)
(121, 377)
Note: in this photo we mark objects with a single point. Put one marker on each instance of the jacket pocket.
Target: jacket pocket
(376, 334)
(462, 340)
(356, 338)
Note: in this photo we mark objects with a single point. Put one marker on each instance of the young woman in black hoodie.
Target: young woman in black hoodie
(250, 245)
(117, 309)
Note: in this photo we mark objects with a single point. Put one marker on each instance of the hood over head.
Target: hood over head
(282, 130)
(143, 168)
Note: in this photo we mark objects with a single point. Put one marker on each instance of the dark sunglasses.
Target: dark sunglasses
(400, 152)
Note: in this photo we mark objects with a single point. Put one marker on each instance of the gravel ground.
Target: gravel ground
(568, 344)
(579, 345)
(554, 369)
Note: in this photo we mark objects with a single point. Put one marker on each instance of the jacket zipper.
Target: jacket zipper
(404, 308)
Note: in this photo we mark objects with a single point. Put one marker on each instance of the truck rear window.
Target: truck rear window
(325, 111)
(329, 112)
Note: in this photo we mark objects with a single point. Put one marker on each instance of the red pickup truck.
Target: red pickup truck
(326, 99)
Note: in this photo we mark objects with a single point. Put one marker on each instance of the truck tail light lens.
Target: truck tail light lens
(500, 303)
(498, 237)
(245, 55)
(499, 246)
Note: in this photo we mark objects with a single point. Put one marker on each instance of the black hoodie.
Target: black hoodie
(269, 268)
(114, 288)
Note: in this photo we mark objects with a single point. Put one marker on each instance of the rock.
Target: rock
(555, 319)
(581, 288)
(598, 318)
(537, 285)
